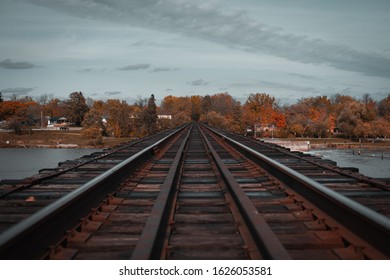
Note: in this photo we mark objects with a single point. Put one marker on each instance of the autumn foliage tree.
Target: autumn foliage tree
(263, 110)
(318, 116)
(221, 110)
(19, 114)
(93, 126)
(178, 108)
(75, 108)
(54, 108)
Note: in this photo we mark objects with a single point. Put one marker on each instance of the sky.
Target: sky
(127, 49)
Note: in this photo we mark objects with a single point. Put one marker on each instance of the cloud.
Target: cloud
(18, 90)
(302, 76)
(9, 64)
(206, 20)
(274, 85)
(112, 93)
(92, 70)
(288, 86)
(143, 43)
(134, 67)
(87, 70)
(164, 69)
(169, 89)
(199, 82)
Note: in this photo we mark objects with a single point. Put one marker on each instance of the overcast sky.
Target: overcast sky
(127, 48)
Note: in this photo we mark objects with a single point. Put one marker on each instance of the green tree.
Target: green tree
(75, 108)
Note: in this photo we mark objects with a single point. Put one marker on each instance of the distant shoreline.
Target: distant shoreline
(55, 139)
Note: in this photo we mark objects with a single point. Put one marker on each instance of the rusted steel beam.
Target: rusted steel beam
(268, 244)
(151, 240)
(369, 225)
(30, 238)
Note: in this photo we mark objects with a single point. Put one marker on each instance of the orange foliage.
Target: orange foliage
(262, 109)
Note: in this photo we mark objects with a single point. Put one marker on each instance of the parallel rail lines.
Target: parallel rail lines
(28, 235)
(371, 192)
(21, 198)
(206, 194)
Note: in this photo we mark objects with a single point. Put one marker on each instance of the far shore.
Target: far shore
(72, 139)
(55, 139)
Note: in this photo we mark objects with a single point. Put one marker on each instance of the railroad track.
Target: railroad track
(371, 192)
(201, 197)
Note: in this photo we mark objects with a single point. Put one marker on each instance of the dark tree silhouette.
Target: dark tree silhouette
(75, 108)
(149, 116)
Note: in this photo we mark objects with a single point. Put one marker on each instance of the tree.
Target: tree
(19, 114)
(140, 102)
(216, 119)
(149, 116)
(54, 108)
(258, 108)
(384, 108)
(311, 117)
(1, 97)
(94, 118)
(261, 108)
(75, 108)
(370, 112)
(350, 118)
(44, 99)
(206, 104)
(235, 119)
(172, 105)
(121, 118)
(195, 107)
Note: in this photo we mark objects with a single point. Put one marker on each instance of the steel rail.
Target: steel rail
(29, 182)
(371, 181)
(369, 225)
(149, 245)
(268, 244)
(30, 238)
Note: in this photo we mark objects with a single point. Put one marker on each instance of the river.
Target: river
(372, 163)
(16, 163)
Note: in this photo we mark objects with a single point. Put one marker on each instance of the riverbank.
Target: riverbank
(307, 144)
(73, 139)
(54, 139)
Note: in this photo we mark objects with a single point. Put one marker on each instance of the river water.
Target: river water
(16, 163)
(372, 163)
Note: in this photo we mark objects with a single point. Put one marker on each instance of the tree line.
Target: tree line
(319, 116)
